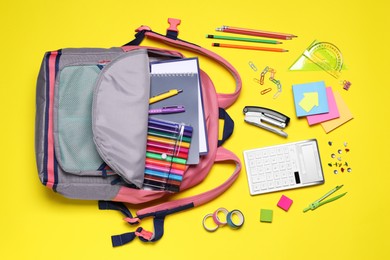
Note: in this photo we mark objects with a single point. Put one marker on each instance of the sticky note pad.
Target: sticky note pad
(266, 215)
(345, 115)
(285, 203)
(310, 98)
(333, 110)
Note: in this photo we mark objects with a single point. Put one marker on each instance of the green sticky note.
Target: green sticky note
(266, 215)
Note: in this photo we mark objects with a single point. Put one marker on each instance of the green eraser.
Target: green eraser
(266, 215)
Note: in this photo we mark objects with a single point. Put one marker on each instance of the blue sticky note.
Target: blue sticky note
(310, 98)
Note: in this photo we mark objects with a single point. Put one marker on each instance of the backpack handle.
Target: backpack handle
(224, 99)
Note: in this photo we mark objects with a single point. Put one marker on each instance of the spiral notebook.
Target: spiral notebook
(188, 82)
(186, 66)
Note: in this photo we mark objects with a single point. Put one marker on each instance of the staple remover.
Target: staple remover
(265, 117)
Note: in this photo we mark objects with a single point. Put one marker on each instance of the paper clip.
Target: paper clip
(252, 65)
(277, 82)
(265, 91)
(262, 75)
(272, 71)
(256, 80)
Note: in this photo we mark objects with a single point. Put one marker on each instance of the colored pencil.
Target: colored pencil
(248, 47)
(253, 32)
(242, 39)
(262, 31)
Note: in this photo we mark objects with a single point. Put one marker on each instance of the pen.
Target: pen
(165, 158)
(167, 141)
(168, 126)
(164, 95)
(167, 110)
(171, 136)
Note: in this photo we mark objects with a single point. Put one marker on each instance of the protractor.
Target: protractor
(327, 56)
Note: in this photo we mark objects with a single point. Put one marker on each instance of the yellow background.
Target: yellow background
(39, 224)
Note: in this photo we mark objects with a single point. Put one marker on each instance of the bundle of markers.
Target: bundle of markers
(167, 150)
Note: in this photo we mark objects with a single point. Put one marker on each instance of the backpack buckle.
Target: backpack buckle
(172, 31)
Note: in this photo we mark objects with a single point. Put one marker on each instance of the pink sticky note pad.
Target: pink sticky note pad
(333, 110)
(285, 203)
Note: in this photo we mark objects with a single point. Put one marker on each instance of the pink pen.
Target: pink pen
(167, 110)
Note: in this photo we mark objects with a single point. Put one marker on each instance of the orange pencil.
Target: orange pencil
(248, 47)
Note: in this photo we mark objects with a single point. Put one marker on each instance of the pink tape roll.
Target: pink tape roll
(216, 218)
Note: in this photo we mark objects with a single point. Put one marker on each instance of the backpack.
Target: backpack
(78, 85)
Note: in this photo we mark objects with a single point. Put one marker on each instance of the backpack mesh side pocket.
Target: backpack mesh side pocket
(77, 149)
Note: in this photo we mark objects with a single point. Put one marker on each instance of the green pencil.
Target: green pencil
(242, 39)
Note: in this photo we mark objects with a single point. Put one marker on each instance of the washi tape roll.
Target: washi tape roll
(210, 229)
(230, 221)
(216, 217)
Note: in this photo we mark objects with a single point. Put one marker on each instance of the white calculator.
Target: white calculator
(282, 167)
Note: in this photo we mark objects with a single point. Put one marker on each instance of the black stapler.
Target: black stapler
(259, 116)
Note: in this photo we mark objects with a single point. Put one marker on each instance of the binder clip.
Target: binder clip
(265, 118)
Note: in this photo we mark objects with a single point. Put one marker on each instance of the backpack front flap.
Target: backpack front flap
(120, 115)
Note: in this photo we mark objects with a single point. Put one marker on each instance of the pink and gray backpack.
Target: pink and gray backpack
(91, 128)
